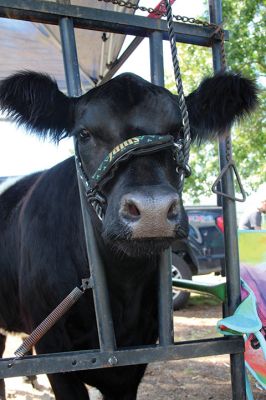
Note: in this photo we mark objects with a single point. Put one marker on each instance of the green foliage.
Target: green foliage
(245, 53)
(246, 23)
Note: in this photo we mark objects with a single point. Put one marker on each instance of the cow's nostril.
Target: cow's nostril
(131, 210)
(173, 210)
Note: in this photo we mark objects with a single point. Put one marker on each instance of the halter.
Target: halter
(136, 146)
(142, 144)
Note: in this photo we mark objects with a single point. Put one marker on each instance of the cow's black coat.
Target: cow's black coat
(42, 250)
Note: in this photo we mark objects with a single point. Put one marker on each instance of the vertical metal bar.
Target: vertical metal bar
(156, 59)
(100, 291)
(70, 57)
(165, 303)
(230, 223)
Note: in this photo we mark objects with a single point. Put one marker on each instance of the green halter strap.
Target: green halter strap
(138, 145)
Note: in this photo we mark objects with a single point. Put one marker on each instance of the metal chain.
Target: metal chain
(222, 50)
(161, 11)
(220, 31)
(158, 11)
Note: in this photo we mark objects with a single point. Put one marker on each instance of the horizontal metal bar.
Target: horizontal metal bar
(102, 20)
(91, 359)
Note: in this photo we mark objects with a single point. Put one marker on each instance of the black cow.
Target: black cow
(42, 248)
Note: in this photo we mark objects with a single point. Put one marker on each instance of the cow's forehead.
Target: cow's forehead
(130, 89)
(130, 101)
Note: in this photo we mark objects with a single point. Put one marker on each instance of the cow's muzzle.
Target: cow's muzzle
(136, 146)
(149, 214)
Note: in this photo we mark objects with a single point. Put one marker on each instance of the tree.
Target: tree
(245, 53)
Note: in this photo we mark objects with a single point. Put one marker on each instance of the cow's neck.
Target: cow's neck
(133, 270)
(133, 290)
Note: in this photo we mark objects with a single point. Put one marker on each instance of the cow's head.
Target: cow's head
(143, 209)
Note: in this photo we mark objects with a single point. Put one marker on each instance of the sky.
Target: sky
(22, 154)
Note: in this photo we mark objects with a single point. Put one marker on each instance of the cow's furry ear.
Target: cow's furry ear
(34, 100)
(218, 102)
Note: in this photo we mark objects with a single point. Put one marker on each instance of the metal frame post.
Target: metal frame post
(230, 225)
(165, 299)
(156, 59)
(67, 17)
(100, 290)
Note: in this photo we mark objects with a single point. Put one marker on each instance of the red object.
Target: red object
(161, 7)
(220, 223)
(223, 327)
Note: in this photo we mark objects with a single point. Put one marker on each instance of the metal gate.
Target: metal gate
(67, 17)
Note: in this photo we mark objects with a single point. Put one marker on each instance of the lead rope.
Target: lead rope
(185, 171)
(183, 155)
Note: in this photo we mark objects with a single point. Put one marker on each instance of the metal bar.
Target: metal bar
(91, 359)
(101, 20)
(48, 31)
(156, 59)
(100, 291)
(165, 303)
(135, 43)
(165, 295)
(129, 50)
(230, 224)
(70, 57)
(122, 59)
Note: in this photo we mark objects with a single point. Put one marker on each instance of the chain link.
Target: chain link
(158, 11)
(161, 12)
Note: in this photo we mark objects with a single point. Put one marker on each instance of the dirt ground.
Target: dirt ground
(202, 378)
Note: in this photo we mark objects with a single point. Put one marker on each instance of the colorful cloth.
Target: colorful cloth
(252, 249)
(250, 317)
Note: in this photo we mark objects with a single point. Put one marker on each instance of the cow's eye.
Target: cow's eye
(84, 133)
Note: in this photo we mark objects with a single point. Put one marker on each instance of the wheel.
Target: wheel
(180, 270)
